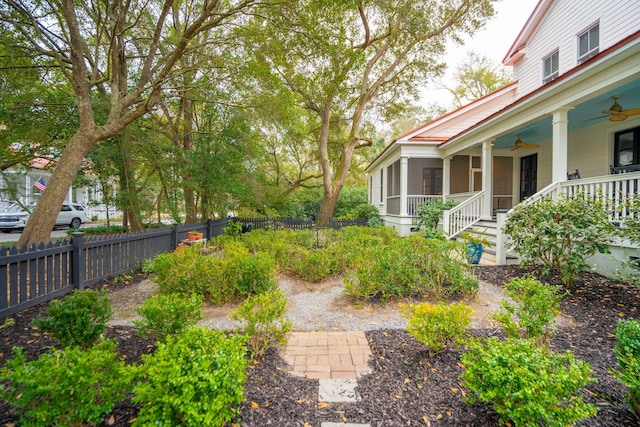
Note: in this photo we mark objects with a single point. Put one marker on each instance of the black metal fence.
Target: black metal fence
(30, 276)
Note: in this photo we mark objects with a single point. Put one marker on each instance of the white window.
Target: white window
(588, 43)
(550, 67)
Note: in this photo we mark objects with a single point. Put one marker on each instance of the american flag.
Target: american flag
(40, 184)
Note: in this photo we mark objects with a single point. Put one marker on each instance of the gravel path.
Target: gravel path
(312, 307)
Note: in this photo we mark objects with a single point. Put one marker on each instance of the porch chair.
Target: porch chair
(575, 175)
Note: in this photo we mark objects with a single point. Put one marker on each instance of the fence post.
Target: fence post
(174, 236)
(208, 235)
(78, 267)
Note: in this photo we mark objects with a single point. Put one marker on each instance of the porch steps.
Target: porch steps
(488, 230)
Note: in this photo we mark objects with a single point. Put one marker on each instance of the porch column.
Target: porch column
(559, 144)
(487, 182)
(446, 176)
(404, 172)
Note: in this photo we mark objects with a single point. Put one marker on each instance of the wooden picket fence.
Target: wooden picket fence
(39, 273)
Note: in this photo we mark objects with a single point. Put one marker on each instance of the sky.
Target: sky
(493, 41)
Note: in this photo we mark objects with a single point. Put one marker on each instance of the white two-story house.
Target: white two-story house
(569, 121)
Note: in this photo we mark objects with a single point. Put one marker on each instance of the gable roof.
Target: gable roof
(559, 80)
(443, 128)
(516, 51)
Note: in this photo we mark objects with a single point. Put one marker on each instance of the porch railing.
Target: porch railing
(414, 201)
(463, 215)
(613, 191)
(460, 197)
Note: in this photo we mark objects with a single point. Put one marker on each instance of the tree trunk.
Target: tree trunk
(43, 218)
(187, 146)
(131, 207)
(327, 208)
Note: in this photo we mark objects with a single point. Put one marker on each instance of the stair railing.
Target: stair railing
(463, 216)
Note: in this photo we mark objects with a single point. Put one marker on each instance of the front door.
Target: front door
(528, 176)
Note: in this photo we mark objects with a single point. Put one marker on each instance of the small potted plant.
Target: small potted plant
(475, 243)
(194, 235)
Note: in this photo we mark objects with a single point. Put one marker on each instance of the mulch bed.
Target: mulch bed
(407, 386)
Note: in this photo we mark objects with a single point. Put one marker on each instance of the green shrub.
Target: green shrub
(264, 320)
(79, 319)
(65, 387)
(248, 273)
(218, 277)
(437, 325)
(559, 235)
(366, 211)
(164, 315)
(527, 384)
(195, 379)
(411, 267)
(183, 272)
(430, 213)
(537, 305)
(627, 350)
(314, 265)
(233, 228)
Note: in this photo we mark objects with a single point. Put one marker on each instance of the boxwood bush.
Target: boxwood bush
(195, 379)
(437, 325)
(627, 350)
(527, 384)
(536, 306)
(69, 387)
(164, 315)
(263, 320)
(78, 319)
(218, 276)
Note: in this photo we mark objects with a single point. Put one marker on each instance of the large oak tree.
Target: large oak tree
(346, 62)
(119, 54)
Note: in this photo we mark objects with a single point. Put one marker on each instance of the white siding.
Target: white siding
(591, 149)
(375, 190)
(564, 21)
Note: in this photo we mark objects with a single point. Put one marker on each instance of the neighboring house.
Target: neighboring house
(574, 106)
(25, 186)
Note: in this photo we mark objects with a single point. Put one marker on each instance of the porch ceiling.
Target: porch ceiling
(582, 115)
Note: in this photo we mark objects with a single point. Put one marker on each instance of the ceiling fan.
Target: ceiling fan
(618, 113)
(521, 144)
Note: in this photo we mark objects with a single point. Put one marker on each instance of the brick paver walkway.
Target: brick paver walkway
(328, 354)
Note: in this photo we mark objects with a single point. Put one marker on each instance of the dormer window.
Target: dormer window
(550, 67)
(589, 43)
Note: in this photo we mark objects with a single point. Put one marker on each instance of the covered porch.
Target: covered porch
(579, 132)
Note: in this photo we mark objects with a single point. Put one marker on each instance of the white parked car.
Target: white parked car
(14, 217)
